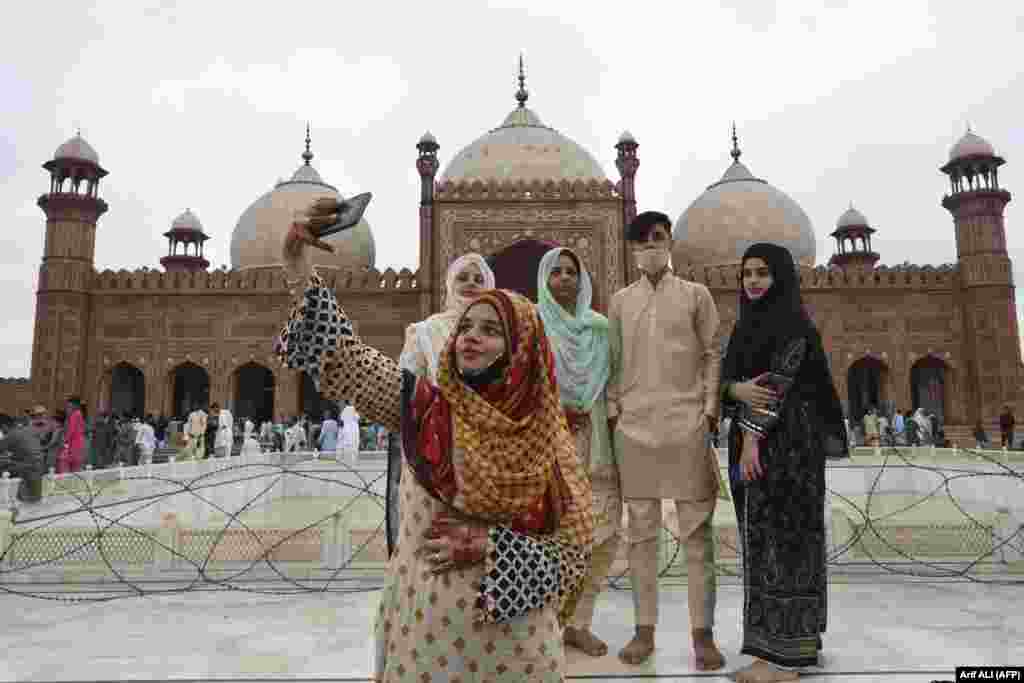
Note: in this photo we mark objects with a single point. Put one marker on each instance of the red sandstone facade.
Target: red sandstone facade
(941, 337)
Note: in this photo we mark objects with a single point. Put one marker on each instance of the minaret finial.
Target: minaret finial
(735, 153)
(522, 94)
(307, 155)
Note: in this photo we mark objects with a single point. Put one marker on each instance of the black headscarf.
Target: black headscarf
(767, 326)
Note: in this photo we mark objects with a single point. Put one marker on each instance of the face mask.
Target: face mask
(477, 379)
(652, 260)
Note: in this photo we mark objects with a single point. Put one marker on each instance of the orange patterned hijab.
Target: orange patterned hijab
(519, 464)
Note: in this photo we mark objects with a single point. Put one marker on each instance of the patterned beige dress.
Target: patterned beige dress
(428, 623)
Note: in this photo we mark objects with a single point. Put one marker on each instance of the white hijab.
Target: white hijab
(432, 334)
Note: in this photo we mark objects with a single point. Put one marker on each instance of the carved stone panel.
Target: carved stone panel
(592, 229)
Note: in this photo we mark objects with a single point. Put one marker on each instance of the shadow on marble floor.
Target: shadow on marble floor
(890, 630)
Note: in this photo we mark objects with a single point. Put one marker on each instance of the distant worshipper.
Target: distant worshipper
(295, 436)
(349, 445)
(328, 441)
(663, 402)
(871, 428)
(497, 527)
(1006, 427)
(787, 420)
(579, 340)
(899, 429)
(195, 436)
(250, 446)
(145, 440)
(72, 454)
(224, 440)
(21, 455)
(981, 439)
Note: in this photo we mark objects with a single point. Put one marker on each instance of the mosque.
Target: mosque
(149, 341)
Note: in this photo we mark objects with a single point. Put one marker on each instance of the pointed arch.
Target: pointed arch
(253, 392)
(189, 388)
(127, 394)
(930, 382)
(867, 385)
(515, 266)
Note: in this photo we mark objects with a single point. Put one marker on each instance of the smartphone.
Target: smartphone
(349, 214)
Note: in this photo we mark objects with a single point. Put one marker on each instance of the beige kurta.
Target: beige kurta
(665, 380)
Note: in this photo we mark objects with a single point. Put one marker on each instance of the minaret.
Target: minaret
(627, 163)
(72, 207)
(991, 339)
(853, 241)
(427, 165)
(187, 237)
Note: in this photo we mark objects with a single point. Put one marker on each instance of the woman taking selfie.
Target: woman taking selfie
(777, 385)
(496, 524)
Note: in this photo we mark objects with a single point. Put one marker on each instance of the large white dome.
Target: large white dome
(261, 229)
(523, 148)
(736, 212)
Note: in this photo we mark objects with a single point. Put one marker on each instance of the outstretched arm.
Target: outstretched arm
(319, 340)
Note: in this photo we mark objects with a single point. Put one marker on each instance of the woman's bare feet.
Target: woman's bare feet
(584, 639)
(763, 672)
(640, 648)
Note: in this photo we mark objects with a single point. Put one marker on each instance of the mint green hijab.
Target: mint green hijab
(579, 342)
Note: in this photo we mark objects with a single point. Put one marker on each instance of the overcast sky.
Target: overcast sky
(203, 105)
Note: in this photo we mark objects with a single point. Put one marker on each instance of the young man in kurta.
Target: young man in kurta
(663, 399)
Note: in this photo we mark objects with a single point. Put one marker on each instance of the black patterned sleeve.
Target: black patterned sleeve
(524, 572)
(319, 340)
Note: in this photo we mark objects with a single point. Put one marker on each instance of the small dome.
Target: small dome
(428, 138)
(852, 218)
(77, 148)
(523, 148)
(736, 212)
(626, 137)
(187, 221)
(971, 145)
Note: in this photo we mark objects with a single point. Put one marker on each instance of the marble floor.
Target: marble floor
(881, 629)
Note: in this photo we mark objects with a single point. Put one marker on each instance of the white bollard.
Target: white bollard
(173, 460)
(120, 471)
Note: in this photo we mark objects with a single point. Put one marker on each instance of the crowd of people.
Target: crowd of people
(68, 439)
(922, 428)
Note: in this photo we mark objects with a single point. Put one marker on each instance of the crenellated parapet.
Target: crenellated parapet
(248, 280)
(902, 277)
(523, 190)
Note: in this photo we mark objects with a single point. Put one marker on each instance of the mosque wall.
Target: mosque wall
(15, 395)
(153, 324)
